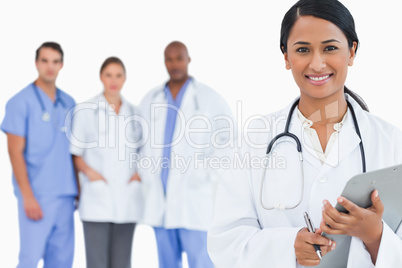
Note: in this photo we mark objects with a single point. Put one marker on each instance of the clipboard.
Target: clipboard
(388, 182)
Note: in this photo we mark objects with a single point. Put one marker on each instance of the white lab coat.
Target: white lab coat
(243, 234)
(189, 195)
(106, 142)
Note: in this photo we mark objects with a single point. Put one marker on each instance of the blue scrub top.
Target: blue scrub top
(169, 128)
(48, 159)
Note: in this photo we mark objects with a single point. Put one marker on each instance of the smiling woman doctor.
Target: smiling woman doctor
(259, 222)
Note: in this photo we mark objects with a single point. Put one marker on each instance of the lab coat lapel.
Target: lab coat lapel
(295, 128)
(158, 117)
(346, 142)
(188, 102)
(308, 151)
(125, 108)
(186, 111)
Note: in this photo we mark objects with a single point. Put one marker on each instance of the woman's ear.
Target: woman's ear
(287, 63)
(285, 55)
(352, 53)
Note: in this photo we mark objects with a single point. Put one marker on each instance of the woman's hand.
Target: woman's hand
(135, 177)
(304, 249)
(365, 224)
(94, 176)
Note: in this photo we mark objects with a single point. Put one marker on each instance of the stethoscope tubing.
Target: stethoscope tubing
(41, 103)
(286, 133)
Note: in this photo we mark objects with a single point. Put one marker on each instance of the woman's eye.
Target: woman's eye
(330, 48)
(302, 50)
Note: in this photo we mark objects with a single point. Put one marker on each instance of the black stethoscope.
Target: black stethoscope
(286, 133)
(45, 114)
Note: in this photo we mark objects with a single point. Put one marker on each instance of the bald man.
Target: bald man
(186, 128)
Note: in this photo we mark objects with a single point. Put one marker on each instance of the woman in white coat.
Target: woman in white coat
(319, 42)
(105, 135)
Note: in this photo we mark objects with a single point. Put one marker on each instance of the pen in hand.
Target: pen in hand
(311, 229)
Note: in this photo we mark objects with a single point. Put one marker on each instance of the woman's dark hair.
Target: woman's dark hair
(111, 60)
(329, 10)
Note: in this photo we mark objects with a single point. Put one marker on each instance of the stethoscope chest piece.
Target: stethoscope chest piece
(45, 116)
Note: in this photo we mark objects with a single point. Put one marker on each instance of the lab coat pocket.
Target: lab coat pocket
(199, 200)
(134, 189)
(128, 201)
(96, 191)
(200, 183)
(136, 196)
(95, 200)
(96, 184)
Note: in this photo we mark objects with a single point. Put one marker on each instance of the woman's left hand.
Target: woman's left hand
(365, 224)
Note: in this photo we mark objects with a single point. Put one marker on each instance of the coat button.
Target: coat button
(322, 179)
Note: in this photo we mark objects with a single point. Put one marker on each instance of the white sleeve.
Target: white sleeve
(390, 252)
(236, 239)
(144, 126)
(224, 133)
(134, 141)
(358, 255)
(78, 136)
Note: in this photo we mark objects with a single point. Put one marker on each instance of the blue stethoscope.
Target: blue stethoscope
(286, 133)
(45, 114)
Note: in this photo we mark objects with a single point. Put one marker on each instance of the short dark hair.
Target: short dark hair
(111, 60)
(52, 45)
(329, 10)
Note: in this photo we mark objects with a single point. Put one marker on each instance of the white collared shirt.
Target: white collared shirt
(313, 136)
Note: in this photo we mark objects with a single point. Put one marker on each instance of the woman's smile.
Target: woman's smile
(318, 80)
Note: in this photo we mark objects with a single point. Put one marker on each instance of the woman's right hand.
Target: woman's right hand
(94, 176)
(304, 249)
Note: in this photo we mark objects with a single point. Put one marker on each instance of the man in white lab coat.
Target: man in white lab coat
(189, 124)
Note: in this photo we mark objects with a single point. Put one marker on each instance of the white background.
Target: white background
(234, 46)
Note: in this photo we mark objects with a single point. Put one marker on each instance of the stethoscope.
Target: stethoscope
(45, 114)
(286, 133)
(196, 105)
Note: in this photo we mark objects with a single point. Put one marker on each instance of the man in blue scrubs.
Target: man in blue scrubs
(43, 177)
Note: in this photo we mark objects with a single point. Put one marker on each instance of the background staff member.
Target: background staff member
(110, 200)
(43, 175)
(319, 42)
(178, 202)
